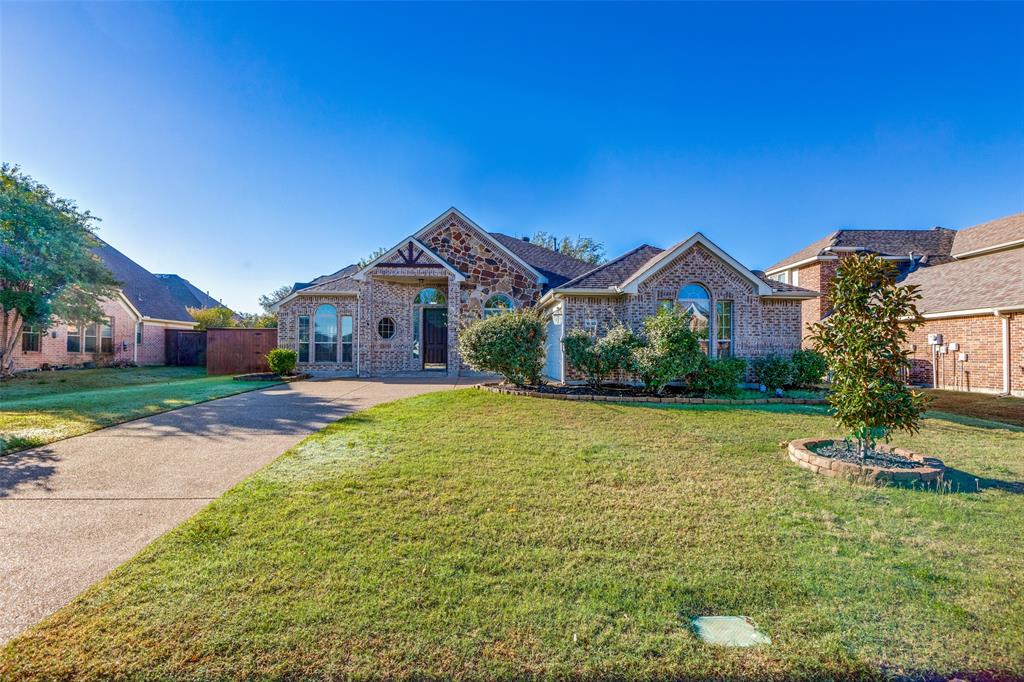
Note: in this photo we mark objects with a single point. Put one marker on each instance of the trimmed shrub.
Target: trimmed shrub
(282, 360)
(671, 350)
(510, 344)
(774, 371)
(720, 376)
(596, 359)
(809, 367)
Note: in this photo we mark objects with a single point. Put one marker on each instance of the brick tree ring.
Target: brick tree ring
(931, 470)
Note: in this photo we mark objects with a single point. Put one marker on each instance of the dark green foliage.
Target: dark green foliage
(864, 342)
(213, 318)
(718, 376)
(47, 270)
(774, 371)
(582, 248)
(670, 351)
(282, 360)
(809, 368)
(598, 358)
(511, 344)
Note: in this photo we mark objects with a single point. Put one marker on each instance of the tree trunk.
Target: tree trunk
(9, 332)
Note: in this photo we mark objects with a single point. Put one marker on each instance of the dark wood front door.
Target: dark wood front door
(435, 338)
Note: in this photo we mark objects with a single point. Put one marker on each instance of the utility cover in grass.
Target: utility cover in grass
(729, 631)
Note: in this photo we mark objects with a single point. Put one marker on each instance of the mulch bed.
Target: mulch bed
(836, 459)
(270, 376)
(620, 393)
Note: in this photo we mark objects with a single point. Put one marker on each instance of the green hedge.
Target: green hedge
(511, 344)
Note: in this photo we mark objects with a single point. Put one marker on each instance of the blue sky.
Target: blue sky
(245, 146)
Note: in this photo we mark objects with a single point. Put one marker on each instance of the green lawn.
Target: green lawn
(979, 405)
(41, 407)
(472, 535)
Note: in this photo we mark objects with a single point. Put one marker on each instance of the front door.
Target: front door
(435, 338)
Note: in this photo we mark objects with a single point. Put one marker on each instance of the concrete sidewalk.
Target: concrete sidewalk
(72, 511)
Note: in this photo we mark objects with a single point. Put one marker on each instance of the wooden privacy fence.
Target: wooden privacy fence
(184, 347)
(238, 351)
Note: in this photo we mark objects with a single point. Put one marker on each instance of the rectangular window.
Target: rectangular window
(346, 338)
(107, 337)
(89, 339)
(74, 339)
(31, 338)
(303, 338)
(796, 277)
(781, 277)
(723, 328)
(138, 333)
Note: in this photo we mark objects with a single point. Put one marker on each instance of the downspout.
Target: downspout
(1006, 351)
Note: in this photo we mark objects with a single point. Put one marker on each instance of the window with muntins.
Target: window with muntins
(303, 338)
(89, 339)
(31, 338)
(497, 305)
(386, 327)
(74, 339)
(723, 328)
(325, 334)
(107, 337)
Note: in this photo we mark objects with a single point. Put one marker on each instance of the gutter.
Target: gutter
(989, 249)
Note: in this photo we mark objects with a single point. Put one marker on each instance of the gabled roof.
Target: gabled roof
(932, 243)
(1002, 233)
(995, 280)
(187, 293)
(557, 267)
(486, 236)
(144, 291)
(410, 242)
(616, 271)
(659, 261)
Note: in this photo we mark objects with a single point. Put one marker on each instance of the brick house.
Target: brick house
(972, 286)
(144, 308)
(401, 312)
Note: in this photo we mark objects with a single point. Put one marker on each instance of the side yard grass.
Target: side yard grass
(470, 535)
(979, 406)
(42, 407)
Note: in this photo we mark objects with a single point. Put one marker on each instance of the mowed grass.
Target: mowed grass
(470, 535)
(979, 406)
(41, 407)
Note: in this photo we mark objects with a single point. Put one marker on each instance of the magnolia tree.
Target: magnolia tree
(47, 270)
(864, 342)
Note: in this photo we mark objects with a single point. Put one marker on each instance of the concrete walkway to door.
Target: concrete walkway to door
(72, 511)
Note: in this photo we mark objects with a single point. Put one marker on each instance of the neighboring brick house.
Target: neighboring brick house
(133, 331)
(401, 312)
(972, 287)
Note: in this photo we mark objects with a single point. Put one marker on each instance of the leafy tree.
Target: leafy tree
(47, 270)
(586, 249)
(207, 318)
(671, 349)
(864, 342)
(511, 344)
(377, 253)
(268, 301)
(257, 320)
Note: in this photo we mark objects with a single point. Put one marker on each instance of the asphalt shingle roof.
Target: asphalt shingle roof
(147, 293)
(993, 280)
(987, 235)
(934, 244)
(616, 271)
(557, 267)
(187, 293)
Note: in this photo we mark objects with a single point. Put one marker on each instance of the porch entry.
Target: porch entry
(435, 338)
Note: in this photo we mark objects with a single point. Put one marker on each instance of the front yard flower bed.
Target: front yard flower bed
(886, 464)
(637, 395)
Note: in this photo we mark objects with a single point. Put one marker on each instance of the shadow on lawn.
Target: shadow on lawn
(964, 482)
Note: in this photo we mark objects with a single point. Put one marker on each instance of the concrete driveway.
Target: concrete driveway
(72, 511)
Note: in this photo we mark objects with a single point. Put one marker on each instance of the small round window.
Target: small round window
(386, 328)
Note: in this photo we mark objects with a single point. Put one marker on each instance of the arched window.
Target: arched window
(430, 296)
(498, 304)
(695, 299)
(325, 334)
